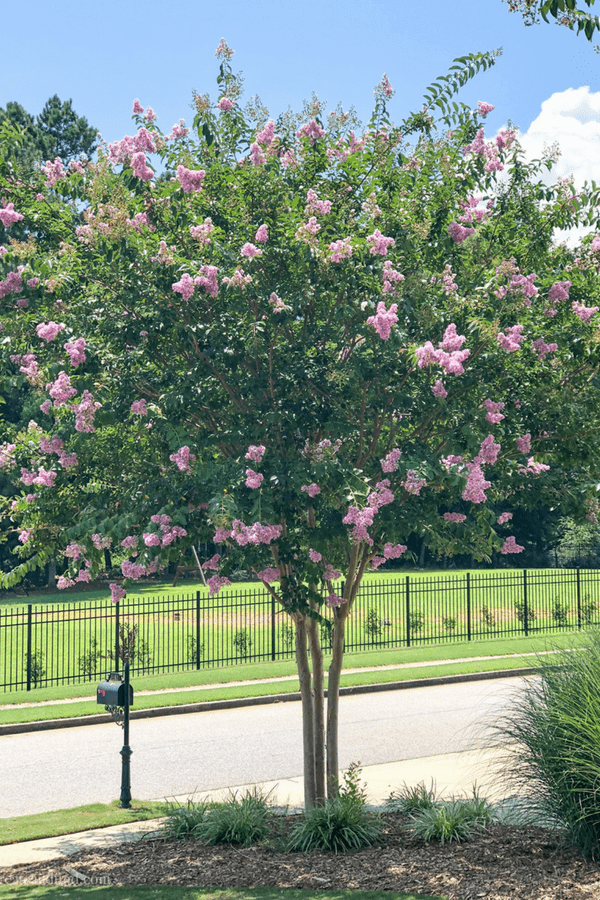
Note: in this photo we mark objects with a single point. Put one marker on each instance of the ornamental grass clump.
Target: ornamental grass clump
(241, 820)
(341, 825)
(452, 820)
(410, 799)
(184, 822)
(551, 735)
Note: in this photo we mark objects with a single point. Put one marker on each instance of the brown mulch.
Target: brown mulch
(500, 863)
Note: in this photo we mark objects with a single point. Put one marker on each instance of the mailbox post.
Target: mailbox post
(116, 695)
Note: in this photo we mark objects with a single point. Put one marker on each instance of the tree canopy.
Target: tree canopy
(565, 12)
(56, 131)
(301, 343)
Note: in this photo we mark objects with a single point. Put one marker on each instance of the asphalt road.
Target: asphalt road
(43, 771)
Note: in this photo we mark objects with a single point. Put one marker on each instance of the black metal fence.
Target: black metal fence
(67, 643)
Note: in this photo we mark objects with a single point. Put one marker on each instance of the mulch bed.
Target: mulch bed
(501, 863)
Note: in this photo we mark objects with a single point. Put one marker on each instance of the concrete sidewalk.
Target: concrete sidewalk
(451, 773)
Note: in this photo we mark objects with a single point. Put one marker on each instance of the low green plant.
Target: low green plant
(449, 623)
(488, 618)
(241, 820)
(36, 668)
(184, 822)
(416, 622)
(560, 613)
(351, 787)
(372, 625)
(341, 825)
(191, 649)
(288, 636)
(410, 799)
(552, 730)
(589, 610)
(242, 643)
(453, 820)
(522, 615)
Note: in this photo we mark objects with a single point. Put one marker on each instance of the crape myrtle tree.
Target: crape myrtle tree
(302, 343)
(568, 13)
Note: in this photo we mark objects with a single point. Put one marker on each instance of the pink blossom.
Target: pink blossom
(24, 536)
(269, 575)
(212, 563)
(85, 411)
(383, 320)
(140, 168)
(101, 541)
(484, 108)
(223, 50)
(190, 180)
(254, 534)
(132, 570)
(61, 390)
(394, 551)
(253, 479)
(413, 483)
(84, 575)
(207, 279)
(255, 453)
(185, 286)
(312, 130)
(543, 349)
(54, 445)
(524, 443)
(262, 235)
(315, 556)
(361, 519)
(225, 104)
(74, 551)
(390, 462)
(139, 407)
(311, 489)
(6, 455)
(53, 171)
(278, 304)
(12, 285)
(250, 251)
(504, 517)
(48, 331)
(216, 583)
(377, 561)
(585, 313)
(221, 535)
(521, 284)
(595, 245)
(488, 451)
(33, 282)
(493, 411)
(76, 351)
(512, 340)
(314, 205)
(308, 231)
(458, 518)
(137, 108)
(533, 467)
(476, 484)
(238, 279)
(46, 406)
(63, 582)
(510, 546)
(390, 276)
(116, 592)
(379, 243)
(161, 519)
(151, 539)
(67, 460)
(459, 233)
(28, 364)
(438, 390)
(202, 233)
(331, 574)
(559, 291)
(384, 89)
(129, 542)
(182, 458)
(8, 215)
(44, 478)
(334, 601)
(340, 250)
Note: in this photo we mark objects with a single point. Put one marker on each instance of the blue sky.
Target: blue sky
(105, 55)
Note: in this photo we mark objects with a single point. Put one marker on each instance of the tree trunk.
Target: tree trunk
(318, 699)
(52, 573)
(308, 734)
(333, 703)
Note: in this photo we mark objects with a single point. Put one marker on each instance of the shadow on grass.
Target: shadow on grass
(28, 891)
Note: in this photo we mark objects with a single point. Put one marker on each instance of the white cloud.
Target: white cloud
(571, 119)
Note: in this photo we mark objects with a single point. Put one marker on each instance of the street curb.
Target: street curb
(210, 705)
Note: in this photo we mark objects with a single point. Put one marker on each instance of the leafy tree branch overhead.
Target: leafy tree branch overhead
(566, 13)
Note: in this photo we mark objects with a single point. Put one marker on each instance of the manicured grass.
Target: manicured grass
(69, 821)
(173, 892)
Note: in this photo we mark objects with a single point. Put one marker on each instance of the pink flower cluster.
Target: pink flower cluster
(141, 169)
(6, 455)
(413, 483)
(585, 313)
(488, 451)
(9, 215)
(394, 551)
(269, 575)
(28, 364)
(504, 517)
(85, 411)
(448, 355)
(255, 453)
(384, 89)
(42, 477)
(533, 468)
(494, 414)
(512, 340)
(253, 479)
(53, 171)
(12, 285)
(278, 304)
(311, 489)
(459, 233)
(383, 319)
(101, 541)
(48, 331)
(315, 556)
(390, 277)
(139, 408)
(470, 213)
(185, 286)
(524, 443)
(202, 233)
(238, 279)
(216, 583)
(438, 390)
(521, 284)
(250, 251)
(312, 131)
(340, 250)
(543, 349)
(225, 104)
(262, 234)
(314, 205)
(480, 148)
(116, 592)
(183, 458)
(390, 462)
(253, 534)
(207, 279)
(558, 292)
(511, 546)
(307, 232)
(379, 243)
(190, 180)
(484, 108)
(476, 484)
(458, 518)
(61, 390)
(76, 351)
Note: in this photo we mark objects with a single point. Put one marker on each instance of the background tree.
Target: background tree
(56, 131)
(566, 13)
(304, 344)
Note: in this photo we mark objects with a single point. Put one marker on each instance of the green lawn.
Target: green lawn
(172, 892)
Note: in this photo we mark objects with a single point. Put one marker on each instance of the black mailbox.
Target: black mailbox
(112, 691)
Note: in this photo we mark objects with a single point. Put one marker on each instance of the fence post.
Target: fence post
(197, 629)
(117, 605)
(525, 607)
(468, 606)
(29, 624)
(578, 598)
(272, 627)
(408, 610)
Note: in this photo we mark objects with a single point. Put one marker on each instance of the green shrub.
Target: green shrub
(552, 730)
(184, 822)
(416, 622)
(453, 820)
(520, 611)
(241, 821)
(560, 613)
(372, 625)
(449, 623)
(589, 609)
(488, 618)
(409, 800)
(288, 637)
(342, 825)
(242, 642)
